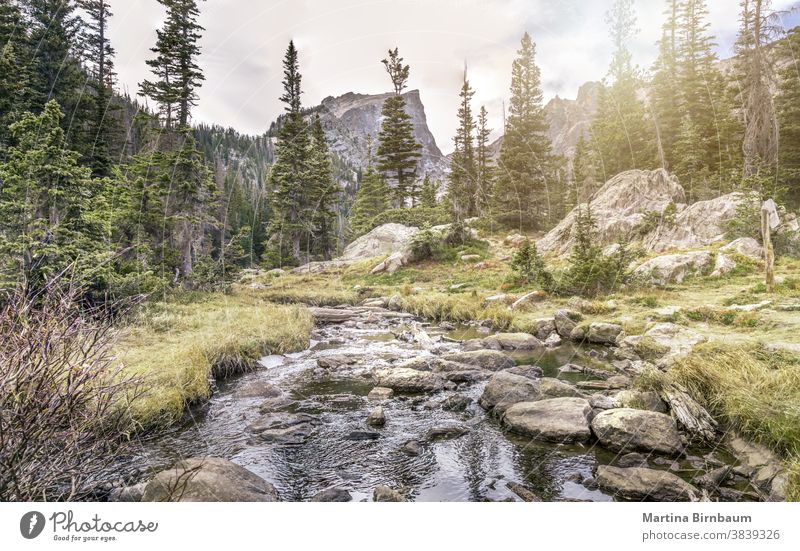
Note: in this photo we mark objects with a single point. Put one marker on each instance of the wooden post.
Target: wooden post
(769, 253)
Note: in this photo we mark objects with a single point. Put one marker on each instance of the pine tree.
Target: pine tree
(99, 55)
(56, 70)
(462, 189)
(190, 193)
(664, 93)
(756, 77)
(14, 70)
(788, 103)
(323, 196)
(484, 167)
(522, 191)
(52, 214)
(372, 199)
(621, 134)
(584, 175)
(175, 65)
(289, 176)
(430, 189)
(398, 150)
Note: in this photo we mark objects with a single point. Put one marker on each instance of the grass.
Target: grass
(178, 347)
(724, 316)
(752, 390)
(457, 308)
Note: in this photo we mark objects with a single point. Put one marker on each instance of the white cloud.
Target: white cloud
(341, 43)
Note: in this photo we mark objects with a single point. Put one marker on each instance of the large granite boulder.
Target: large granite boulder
(562, 420)
(506, 389)
(208, 479)
(641, 484)
(674, 268)
(745, 246)
(619, 207)
(628, 430)
(381, 241)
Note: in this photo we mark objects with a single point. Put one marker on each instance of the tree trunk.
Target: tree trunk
(769, 253)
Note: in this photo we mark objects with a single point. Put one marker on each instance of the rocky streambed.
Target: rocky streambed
(386, 407)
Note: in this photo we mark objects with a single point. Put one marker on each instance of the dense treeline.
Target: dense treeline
(134, 199)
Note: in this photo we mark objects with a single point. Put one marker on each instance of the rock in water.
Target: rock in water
(445, 432)
(333, 495)
(283, 427)
(491, 360)
(640, 484)
(380, 393)
(524, 493)
(506, 389)
(332, 315)
(208, 479)
(412, 447)
(386, 494)
(603, 333)
(627, 430)
(376, 417)
(562, 420)
(402, 379)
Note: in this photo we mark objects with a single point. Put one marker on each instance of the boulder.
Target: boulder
(457, 402)
(513, 341)
(674, 268)
(208, 479)
(554, 388)
(381, 241)
(698, 225)
(412, 447)
(333, 495)
(637, 399)
(543, 328)
(562, 420)
(402, 379)
(386, 494)
(332, 315)
(723, 265)
(446, 432)
(514, 240)
(565, 321)
(675, 341)
(745, 246)
(128, 494)
(491, 360)
(376, 417)
(619, 208)
(335, 361)
(283, 427)
(380, 393)
(641, 484)
(603, 333)
(627, 430)
(506, 389)
(259, 389)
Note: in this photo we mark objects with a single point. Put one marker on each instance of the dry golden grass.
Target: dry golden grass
(177, 348)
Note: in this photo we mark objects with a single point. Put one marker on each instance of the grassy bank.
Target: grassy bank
(177, 347)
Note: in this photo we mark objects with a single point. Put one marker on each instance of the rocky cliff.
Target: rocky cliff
(352, 120)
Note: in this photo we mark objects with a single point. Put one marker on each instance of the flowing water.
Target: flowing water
(344, 452)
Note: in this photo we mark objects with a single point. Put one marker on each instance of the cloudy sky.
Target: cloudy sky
(341, 43)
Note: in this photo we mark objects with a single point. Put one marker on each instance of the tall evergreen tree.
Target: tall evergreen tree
(522, 191)
(430, 189)
(484, 167)
(56, 70)
(178, 76)
(789, 119)
(179, 173)
(99, 55)
(52, 216)
(463, 175)
(15, 55)
(664, 93)
(372, 199)
(323, 195)
(622, 135)
(398, 150)
(289, 177)
(756, 78)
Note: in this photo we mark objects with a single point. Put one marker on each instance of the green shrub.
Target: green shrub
(420, 217)
(528, 267)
